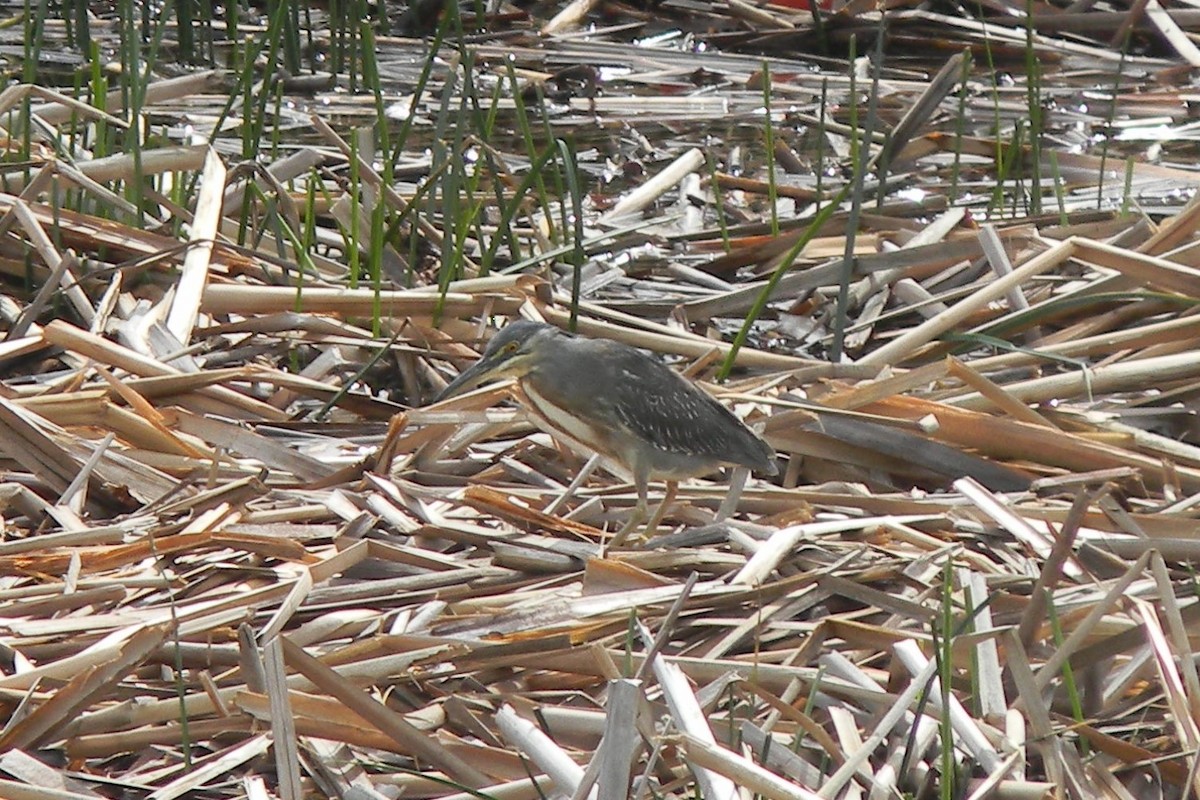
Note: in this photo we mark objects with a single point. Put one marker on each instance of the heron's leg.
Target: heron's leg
(661, 511)
(640, 479)
(737, 482)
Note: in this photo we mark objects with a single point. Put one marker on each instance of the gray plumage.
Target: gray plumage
(615, 398)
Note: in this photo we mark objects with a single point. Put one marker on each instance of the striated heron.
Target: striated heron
(607, 397)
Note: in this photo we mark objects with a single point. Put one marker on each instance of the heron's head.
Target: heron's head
(512, 353)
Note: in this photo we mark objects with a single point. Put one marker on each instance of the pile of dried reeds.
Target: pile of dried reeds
(243, 556)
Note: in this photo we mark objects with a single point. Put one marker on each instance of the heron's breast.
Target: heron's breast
(559, 420)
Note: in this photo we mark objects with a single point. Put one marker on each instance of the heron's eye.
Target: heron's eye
(510, 348)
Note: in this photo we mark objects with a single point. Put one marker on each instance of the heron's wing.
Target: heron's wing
(620, 386)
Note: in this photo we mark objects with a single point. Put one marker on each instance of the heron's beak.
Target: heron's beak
(478, 373)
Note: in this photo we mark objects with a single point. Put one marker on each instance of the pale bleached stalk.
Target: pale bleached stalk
(856, 760)
(185, 306)
(970, 737)
(542, 750)
(654, 188)
(743, 771)
(690, 719)
(621, 739)
(902, 346)
(1089, 381)
(571, 16)
(1185, 726)
(1050, 669)
(784, 541)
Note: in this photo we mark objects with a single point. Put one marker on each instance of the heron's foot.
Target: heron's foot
(627, 530)
(655, 520)
(661, 511)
